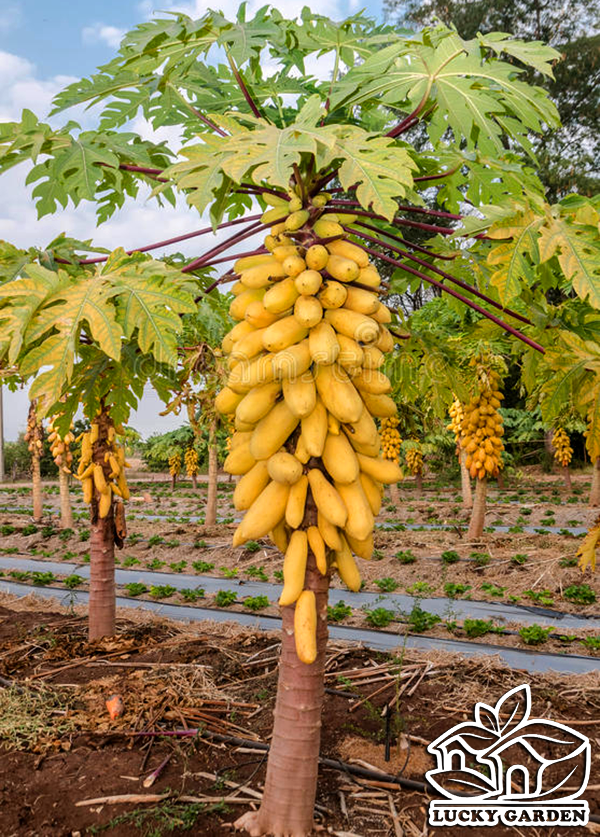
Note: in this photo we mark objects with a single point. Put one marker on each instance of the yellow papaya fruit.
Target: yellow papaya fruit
(282, 251)
(294, 510)
(373, 358)
(382, 314)
(384, 341)
(339, 459)
(370, 277)
(316, 257)
(332, 294)
(280, 537)
(272, 431)
(262, 275)
(257, 315)
(381, 406)
(250, 486)
(314, 429)
(372, 381)
(300, 394)
(297, 219)
(308, 282)
(283, 467)
(281, 297)
(317, 546)
(258, 402)
(264, 514)
(292, 362)
(361, 301)
(351, 354)
(294, 568)
(246, 262)
(308, 311)
(88, 489)
(237, 309)
(346, 567)
(360, 517)
(239, 460)
(364, 549)
(347, 250)
(338, 393)
(327, 227)
(382, 470)
(373, 493)
(305, 627)
(329, 532)
(294, 265)
(323, 344)
(105, 503)
(285, 332)
(359, 327)
(327, 498)
(250, 346)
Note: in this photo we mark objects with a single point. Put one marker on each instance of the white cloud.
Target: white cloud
(21, 88)
(101, 32)
(197, 8)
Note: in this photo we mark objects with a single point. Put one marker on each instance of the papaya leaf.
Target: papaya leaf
(577, 247)
(587, 552)
(516, 257)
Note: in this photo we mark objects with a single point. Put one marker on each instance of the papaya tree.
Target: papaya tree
(95, 335)
(325, 174)
(34, 436)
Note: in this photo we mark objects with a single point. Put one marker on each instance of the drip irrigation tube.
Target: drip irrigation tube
(532, 661)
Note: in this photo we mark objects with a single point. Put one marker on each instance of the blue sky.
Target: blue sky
(45, 45)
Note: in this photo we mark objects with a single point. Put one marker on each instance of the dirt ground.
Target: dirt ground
(66, 766)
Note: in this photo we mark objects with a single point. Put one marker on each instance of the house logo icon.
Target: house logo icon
(508, 768)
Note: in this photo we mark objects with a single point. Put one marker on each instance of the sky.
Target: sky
(47, 44)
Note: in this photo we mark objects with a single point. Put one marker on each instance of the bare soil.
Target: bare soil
(60, 747)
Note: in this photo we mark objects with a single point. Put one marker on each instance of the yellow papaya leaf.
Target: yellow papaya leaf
(587, 551)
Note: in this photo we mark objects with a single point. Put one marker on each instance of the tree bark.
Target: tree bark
(465, 480)
(419, 482)
(500, 479)
(195, 480)
(102, 576)
(395, 494)
(567, 474)
(66, 512)
(36, 488)
(173, 480)
(288, 799)
(478, 514)
(595, 489)
(210, 517)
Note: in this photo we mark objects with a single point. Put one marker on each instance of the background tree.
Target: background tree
(567, 157)
(60, 447)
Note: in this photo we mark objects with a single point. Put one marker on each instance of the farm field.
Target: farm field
(516, 586)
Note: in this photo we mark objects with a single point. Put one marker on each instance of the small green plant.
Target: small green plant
(256, 602)
(338, 612)
(229, 572)
(568, 562)
(172, 544)
(481, 559)
(202, 566)
(178, 566)
(420, 588)
(278, 575)
(256, 572)
(20, 575)
(224, 598)
(136, 588)
(155, 564)
(30, 529)
(134, 538)
(192, 595)
(455, 589)
(48, 531)
(516, 530)
(200, 544)
(535, 634)
(85, 557)
(378, 555)
(498, 592)
(519, 558)
(421, 620)
(474, 628)
(7, 529)
(65, 534)
(84, 536)
(450, 556)
(130, 561)
(387, 584)
(155, 540)
(580, 594)
(252, 546)
(405, 556)
(380, 617)
(162, 591)
(41, 578)
(72, 581)
(591, 642)
(542, 597)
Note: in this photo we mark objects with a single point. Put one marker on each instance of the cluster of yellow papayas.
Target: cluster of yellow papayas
(102, 466)
(482, 428)
(191, 462)
(60, 447)
(390, 438)
(563, 452)
(304, 388)
(175, 464)
(34, 435)
(414, 457)
(457, 415)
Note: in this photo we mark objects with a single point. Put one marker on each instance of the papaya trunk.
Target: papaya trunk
(102, 576)
(465, 481)
(595, 489)
(500, 479)
(36, 488)
(173, 480)
(195, 480)
(419, 481)
(66, 512)
(567, 474)
(478, 514)
(291, 783)
(210, 517)
(394, 494)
